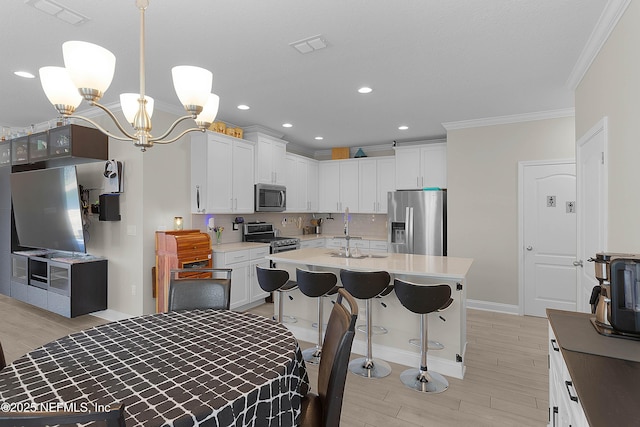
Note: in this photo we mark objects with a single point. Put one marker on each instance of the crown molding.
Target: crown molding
(352, 150)
(613, 11)
(263, 129)
(516, 118)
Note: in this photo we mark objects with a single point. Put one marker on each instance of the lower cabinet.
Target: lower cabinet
(565, 408)
(70, 289)
(244, 284)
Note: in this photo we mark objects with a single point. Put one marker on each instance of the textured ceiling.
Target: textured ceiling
(428, 61)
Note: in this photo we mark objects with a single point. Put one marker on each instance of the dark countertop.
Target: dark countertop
(609, 388)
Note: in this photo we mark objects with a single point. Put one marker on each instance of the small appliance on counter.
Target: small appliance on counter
(616, 300)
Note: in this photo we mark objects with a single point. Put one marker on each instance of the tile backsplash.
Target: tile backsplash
(292, 224)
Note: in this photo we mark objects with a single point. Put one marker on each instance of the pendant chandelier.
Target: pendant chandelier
(88, 72)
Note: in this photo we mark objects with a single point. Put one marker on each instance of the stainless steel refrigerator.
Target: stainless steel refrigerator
(417, 222)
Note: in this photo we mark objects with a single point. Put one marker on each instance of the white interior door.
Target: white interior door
(592, 196)
(549, 237)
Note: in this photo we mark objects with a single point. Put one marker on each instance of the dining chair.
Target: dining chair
(324, 409)
(113, 416)
(3, 362)
(191, 289)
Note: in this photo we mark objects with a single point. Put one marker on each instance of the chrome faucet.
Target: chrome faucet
(347, 252)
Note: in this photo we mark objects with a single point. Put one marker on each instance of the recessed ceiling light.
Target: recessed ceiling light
(403, 127)
(243, 107)
(365, 89)
(319, 138)
(25, 74)
(287, 125)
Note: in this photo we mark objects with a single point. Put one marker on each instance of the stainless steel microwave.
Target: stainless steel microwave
(270, 198)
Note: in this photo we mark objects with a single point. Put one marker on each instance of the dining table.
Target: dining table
(182, 368)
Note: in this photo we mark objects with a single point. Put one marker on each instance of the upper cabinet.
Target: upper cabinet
(301, 180)
(71, 141)
(269, 159)
(421, 166)
(220, 179)
(338, 185)
(376, 179)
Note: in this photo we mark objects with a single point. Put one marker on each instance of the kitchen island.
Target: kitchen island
(448, 327)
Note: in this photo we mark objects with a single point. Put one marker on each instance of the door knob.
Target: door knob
(529, 248)
(577, 263)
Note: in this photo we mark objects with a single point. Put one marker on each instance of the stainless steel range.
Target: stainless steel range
(264, 232)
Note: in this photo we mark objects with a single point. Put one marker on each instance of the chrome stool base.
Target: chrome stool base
(375, 330)
(424, 381)
(370, 368)
(312, 355)
(433, 345)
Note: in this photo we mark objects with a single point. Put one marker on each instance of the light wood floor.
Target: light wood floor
(506, 383)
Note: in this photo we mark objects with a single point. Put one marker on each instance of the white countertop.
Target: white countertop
(236, 246)
(416, 265)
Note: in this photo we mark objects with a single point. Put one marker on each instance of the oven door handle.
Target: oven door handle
(282, 199)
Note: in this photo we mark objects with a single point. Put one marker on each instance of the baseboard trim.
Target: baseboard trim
(493, 306)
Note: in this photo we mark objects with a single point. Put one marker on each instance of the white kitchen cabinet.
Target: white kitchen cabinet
(565, 408)
(376, 178)
(302, 183)
(312, 185)
(421, 166)
(338, 185)
(270, 158)
(221, 174)
(256, 256)
(244, 284)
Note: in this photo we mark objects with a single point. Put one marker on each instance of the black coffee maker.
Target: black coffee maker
(624, 283)
(616, 300)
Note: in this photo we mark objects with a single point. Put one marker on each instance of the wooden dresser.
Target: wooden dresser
(178, 249)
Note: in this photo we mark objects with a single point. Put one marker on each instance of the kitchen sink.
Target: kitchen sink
(359, 256)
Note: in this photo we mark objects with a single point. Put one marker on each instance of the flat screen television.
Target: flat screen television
(47, 209)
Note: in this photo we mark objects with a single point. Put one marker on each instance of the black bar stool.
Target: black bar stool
(316, 284)
(377, 329)
(367, 285)
(423, 299)
(272, 280)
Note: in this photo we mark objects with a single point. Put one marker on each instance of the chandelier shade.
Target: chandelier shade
(59, 88)
(129, 102)
(209, 112)
(90, 66)
(192, 85)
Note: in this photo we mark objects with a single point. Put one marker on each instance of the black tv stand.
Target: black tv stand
(64, 283)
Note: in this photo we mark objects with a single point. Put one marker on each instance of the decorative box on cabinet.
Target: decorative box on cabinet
(179, 249)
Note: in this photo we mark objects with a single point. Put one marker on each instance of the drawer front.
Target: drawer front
(236, 257)
(193, 242)
(258, 253)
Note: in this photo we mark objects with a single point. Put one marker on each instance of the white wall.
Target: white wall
(156, 189)
(611, 88)
(482, 176)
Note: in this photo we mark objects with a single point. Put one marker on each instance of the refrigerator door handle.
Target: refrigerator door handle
(409, 229)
